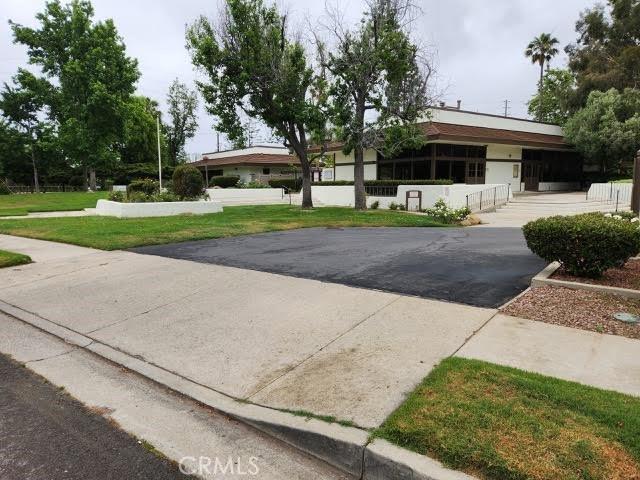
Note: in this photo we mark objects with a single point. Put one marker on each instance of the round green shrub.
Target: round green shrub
(586, 245)
(291, 184)
(224, 182)
(187, 182)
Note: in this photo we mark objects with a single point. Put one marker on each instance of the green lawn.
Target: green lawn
(110, 233)
(507, 424)
(11, 259)
(23, 203)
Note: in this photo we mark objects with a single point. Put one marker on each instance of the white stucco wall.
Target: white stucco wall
(345, 172)
(155, 209)
(248, 173)
(454, 195)
(503, 152)
(246, 196)
(558, 186)
(502, 173)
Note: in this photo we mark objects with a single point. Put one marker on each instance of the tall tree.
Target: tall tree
(92, 76)
(23, 106)
(378, 89)
(607, 52)
(552, 103)
(254, 66)
(140, 140)
(541, 50)
(607, 130)
(183, 123)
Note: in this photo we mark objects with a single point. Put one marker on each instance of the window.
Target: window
(266, 171)
(216, 173)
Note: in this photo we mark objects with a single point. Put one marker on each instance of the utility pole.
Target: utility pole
(159, 154)
(217, 141)
(506, 108)
(635, 192)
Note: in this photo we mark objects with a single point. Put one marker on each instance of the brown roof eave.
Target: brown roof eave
(485, 141)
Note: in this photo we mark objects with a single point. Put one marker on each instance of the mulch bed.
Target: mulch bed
(625, 277)
(577, 309)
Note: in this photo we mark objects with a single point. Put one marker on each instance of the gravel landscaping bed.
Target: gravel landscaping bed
(625, 277)
(577, 309)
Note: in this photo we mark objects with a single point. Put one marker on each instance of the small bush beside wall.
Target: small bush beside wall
(224, 182)
(386, 183)
(586, 245)
(187, 182)
(292, 184)
(147, 186)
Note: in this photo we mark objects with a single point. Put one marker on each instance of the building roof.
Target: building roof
(465, 133)
(247, 159)
(452, 132)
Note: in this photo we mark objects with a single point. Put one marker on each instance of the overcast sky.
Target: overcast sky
(479, 44)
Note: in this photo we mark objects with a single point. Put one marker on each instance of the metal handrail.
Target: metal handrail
(618, 194)
(488, 198)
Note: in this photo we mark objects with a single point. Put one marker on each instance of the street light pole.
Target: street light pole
(159, 154)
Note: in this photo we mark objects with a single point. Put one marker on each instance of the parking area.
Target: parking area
(475, 266)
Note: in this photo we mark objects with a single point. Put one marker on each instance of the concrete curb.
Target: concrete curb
(543, 278)
(346, 448)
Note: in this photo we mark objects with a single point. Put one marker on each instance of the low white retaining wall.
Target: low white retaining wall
(558, 186)
(247, 196)
(108, 208)
(454, 195)
(610, 191)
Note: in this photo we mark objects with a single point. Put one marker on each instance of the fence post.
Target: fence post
(495, 193)
(480, 200)
(617, 198)
(467, 202)
(611, 191)
(635, 192)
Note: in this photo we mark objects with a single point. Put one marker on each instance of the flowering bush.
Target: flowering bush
(445, 214)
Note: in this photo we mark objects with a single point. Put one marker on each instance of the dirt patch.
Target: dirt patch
(625, 277)
(577, 309)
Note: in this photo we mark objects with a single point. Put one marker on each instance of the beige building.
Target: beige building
(475, 148)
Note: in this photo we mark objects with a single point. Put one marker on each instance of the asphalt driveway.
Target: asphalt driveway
(482, 267)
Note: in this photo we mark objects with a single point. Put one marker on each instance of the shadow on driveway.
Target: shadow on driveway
(482, 267)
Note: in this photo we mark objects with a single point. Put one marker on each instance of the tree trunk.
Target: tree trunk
(36, 184)
(358, 179)
(358, 156)
(540, 102)
(305, 166)
(307, 201)
(92, 179)
(85, 175)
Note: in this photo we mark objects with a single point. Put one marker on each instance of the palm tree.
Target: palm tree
(541, 50)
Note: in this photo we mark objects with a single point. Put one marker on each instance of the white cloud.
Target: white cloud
(480, 44)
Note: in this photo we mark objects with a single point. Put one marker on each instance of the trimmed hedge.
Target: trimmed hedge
(586, 245)
(386, 183)
(147, 186)
(224, 182)
(187, 182)
(293, 184)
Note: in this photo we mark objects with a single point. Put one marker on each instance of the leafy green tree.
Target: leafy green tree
(378, 89)
(183, 123)
(253, 66)
(607, 130)
(541, 50)
(91, 75)
(22, 105)
(140, 141)
(607, 52)
(552, 103)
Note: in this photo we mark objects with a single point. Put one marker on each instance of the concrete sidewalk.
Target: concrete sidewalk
(278, 341)
(286, 342)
